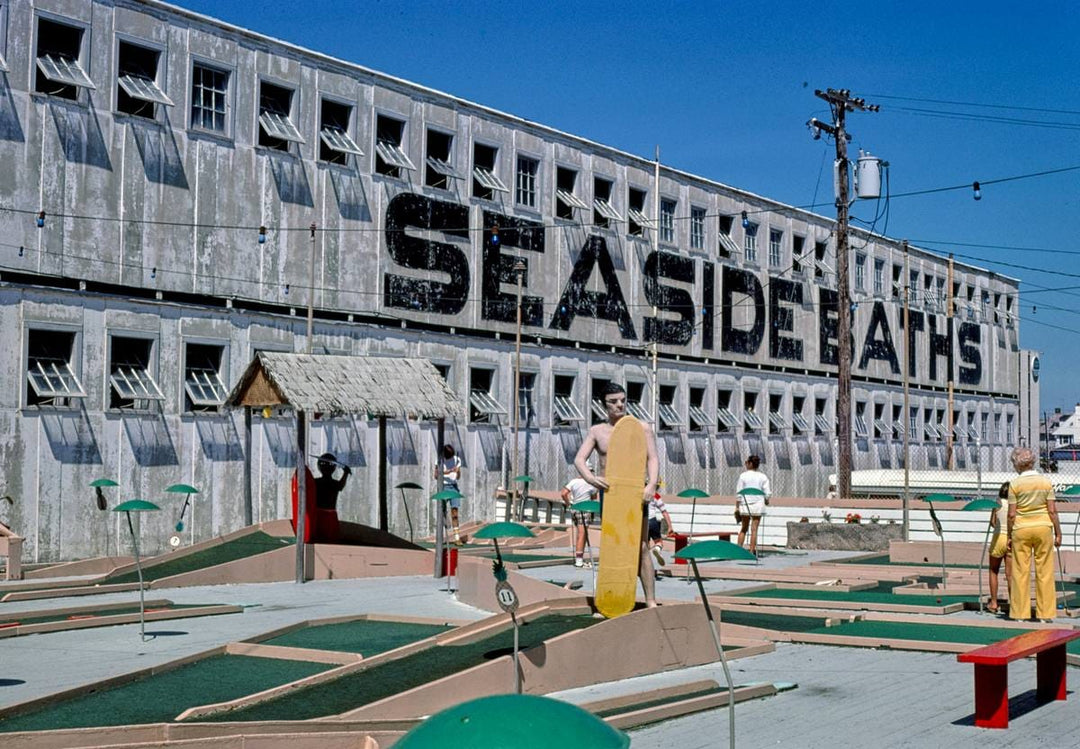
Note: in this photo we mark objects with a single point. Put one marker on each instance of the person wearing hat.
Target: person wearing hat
(327, 489)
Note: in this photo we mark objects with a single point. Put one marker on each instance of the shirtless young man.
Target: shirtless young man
(597, 439)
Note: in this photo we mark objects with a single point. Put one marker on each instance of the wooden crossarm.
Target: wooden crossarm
(1021, 646)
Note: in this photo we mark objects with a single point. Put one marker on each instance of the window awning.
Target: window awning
(63, 70)
(566, 409)
(488, 179)
(392, 154)
(279, 126)
(338, 140)
(52, 378)
(135, 383)
(143, 89)
(482, 401)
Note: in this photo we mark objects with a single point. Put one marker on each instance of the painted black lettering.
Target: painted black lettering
(939, 345)
(578, 300)
(498, 269)
(879, 348)
(917, 326)
(828, 326)
(969, 341)
(752, 301)
(668, 298)
(708, 304)
(421, 294)
(781, 291)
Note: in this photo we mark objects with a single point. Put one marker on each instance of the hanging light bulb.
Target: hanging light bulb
(976, 191)
(262, 235)
(745, 221)
(40, 219)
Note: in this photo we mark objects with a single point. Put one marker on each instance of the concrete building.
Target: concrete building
(171, 185)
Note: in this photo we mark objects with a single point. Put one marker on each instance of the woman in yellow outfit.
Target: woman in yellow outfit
(1034, 531)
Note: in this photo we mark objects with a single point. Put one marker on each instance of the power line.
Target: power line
(974, 104)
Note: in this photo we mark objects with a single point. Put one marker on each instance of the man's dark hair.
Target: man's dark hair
(612, 388)
(448, 451)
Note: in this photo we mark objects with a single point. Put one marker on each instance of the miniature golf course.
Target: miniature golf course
(81, 617)
(366, 636)
(364, 687)
(163, 696)
(229, 551)
(882, 594)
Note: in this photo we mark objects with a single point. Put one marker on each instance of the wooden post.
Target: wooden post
(440, 507)
(301, 491)
(384, 520)
(249, 505)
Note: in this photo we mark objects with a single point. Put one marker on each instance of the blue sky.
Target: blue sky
(725, 90)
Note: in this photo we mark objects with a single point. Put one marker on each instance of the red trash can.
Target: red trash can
(449, 560)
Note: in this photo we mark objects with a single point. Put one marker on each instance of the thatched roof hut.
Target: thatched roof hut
(329, 384)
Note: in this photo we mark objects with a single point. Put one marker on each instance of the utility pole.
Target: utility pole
(841, 102)
(518, 507)
(906, 340)
(656, 250)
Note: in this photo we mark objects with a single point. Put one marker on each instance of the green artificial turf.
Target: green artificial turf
(238, 548)
(364, 636)
(131, 608)
(883, 560)
(882, 594)
(364, 687)
(161, 697)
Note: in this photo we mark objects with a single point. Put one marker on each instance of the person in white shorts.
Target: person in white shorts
(579, 490)
(750, 508)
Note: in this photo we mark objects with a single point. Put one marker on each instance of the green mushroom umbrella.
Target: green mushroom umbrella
(930, 499)
(98, 484)
(981, 505)
(442, 497)
(716, 551)
(402, 487)
(514, 721)
(137, 505)
(504, 593)
(695, 495)
(188, 490)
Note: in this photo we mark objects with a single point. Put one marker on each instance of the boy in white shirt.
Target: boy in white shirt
(579, 490)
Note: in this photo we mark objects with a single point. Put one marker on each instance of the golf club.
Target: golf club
(1061, 580)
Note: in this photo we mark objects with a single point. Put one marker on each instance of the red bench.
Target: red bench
(681, 539)
(992, 677)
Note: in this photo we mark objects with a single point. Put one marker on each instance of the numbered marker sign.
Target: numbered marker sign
(507, 598)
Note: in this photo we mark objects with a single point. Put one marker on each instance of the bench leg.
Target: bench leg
(680, 544)
(1050, 674)
(991, 696)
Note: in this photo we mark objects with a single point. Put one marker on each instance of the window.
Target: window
(204, 389)
(635, 402)
(444, 371)
(596, 399)
(776, 239)
(897, 284)
(1009, 433)
(276, 128)
(49, 368)
(750, 418)
(928, 291)
(797, 244)
(725, 419)
(929, 430)
(525, 397)
(879, 277)
(635, 209)
(861, 427)
(131, 381)
(726, 246)
(669, 417)
(563, 406)
(565, 199)
(913, 286)
(482, 406)
(897, 422)
(335, 144)
(799, 424)
(777, 422)
(822, 425)
(750, 242)
(940, 292)
(603, 212)
(860, 271)
(209, 87)
(820, 268)
(438, 170)
(390, 159)
(138, 93)
(485, 182)
(881, 426)
(667, 220)
(699, 420)
(697, 228)
(527, 169)
(59, 51)
(984, 427)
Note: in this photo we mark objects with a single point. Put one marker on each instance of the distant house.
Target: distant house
(1066, 430)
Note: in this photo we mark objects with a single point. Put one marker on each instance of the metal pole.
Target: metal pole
(311, 293)
(714, 626)
(440, 509)
(138, 568)
(986, 540)
(655, 312)
(517, 666)
(948, 331)
(519, 269)
(301, 491)
(906, 340)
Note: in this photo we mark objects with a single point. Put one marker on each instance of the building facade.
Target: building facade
(175, 192)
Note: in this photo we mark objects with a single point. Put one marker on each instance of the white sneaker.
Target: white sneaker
(579, 562)
(658, 556)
